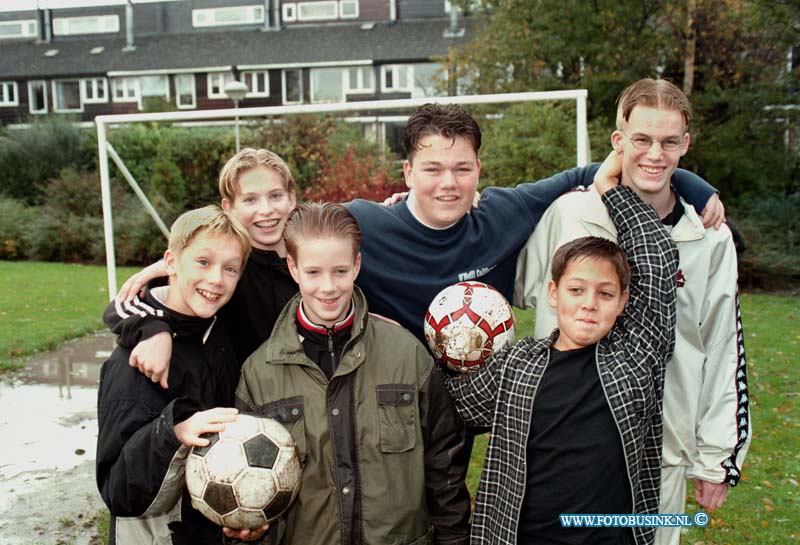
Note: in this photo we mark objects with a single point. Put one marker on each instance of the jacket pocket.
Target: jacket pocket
(398, 416)
(290, 413)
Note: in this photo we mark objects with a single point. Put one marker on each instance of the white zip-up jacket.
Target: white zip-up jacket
(706, 416)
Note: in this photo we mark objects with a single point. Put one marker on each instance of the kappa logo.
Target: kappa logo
(681, 280)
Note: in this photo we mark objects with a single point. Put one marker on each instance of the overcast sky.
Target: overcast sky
(14, 5)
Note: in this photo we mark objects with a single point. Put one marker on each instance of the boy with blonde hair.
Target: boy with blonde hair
(257, 187)
(145, 431)
(375, 429)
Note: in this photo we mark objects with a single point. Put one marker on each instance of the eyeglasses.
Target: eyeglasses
(644, 142)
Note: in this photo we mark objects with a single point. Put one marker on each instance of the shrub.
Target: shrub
(527, 143)
(771, 227)
(353, 176)
(29, 157)
(15, 221)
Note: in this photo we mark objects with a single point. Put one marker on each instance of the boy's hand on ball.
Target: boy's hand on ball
(189, 431)
(608, 174)
(245, 535)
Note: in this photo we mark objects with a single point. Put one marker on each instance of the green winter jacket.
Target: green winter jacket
(376, 442)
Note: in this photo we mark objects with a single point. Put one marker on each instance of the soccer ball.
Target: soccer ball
(247, 475)
(466, 323)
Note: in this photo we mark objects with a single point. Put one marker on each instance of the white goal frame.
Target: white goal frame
(105, 150)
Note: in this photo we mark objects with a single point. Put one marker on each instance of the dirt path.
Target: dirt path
(48, 422)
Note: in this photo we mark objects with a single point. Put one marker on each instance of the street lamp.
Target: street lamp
(236, 91)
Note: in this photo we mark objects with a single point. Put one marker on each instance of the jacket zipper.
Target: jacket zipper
(331, 351)
(619, 430)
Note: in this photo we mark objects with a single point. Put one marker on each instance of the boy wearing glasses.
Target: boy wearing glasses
(706, 418)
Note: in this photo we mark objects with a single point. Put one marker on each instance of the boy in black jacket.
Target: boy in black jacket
(145, 430)
(257, 187)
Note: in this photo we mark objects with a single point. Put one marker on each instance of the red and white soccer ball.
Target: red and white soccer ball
(466, 323)
(247, 476)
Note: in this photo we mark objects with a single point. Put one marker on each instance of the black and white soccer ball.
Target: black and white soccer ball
(248, 474)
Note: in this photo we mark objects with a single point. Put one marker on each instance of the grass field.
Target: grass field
(43, 304)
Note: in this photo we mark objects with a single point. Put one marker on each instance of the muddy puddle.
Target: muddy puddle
(48, 426)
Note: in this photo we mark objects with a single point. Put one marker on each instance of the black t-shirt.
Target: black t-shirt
(575, 459)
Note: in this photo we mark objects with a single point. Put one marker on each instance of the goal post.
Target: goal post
(105, 151)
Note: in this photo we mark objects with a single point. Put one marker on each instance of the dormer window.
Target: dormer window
(18, 29)
(232, 15)
(92, 24)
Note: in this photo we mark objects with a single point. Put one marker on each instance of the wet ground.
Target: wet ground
(48, 429)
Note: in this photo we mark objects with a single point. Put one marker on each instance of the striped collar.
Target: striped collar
(306, 323)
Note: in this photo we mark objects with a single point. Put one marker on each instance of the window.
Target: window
(19, 29)
(185, 94)
(37, 97)
(67, 96)
(427, 79)
(234, 15)
(348, 9)
(8, 93)
(94, 90)
(289, 12)
(317, 11)
(154, 86)
(125, 89)
(396, 78)
(257, 83)
(94, 24)
(292, 86)
(359, 80)
(326, 85)
(471, 7)
(216, 84)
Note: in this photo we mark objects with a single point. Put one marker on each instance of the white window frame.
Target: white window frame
(186, 77)
(324, 3)
(354, 3)
(289, 12)
(258, 93)
(252, 14)
(283, 85)
(313, 90)
(55, 96)
(4, 101)
(395, 69)
(226, 77)
(96, 84)
(126, 84)
(105, 23)
(43, 83)
(414, 74)
(358, 87)
(474, 5)
(29, 28)
(163, 93)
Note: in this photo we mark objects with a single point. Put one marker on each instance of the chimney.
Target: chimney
(45, 26)
(453, 31)
(266, 26)
(392, 11)
(129, 27)
(276, 14)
